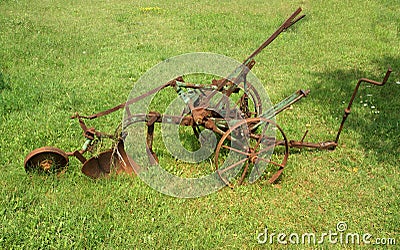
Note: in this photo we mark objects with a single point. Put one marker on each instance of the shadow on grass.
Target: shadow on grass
(4, 83)
(375, 111)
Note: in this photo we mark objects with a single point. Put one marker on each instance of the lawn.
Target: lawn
(62, 57)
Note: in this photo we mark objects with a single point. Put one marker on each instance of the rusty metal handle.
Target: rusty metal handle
(289, 22)
(389, 71)
(241, 71)
(331, 145)
(347, 110)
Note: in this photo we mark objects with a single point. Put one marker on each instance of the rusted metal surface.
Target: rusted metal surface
(253, 152)
(103, 164)
(331, 145)
(46, 159)
(199, 113)
(347, 110)
(100, 165)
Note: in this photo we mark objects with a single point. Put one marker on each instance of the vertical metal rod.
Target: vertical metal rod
(347, 110)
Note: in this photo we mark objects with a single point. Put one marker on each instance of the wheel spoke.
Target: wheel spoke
(265, 149)
(244, 173)
(235, 150)
(232, 166)
(256, 150)
(272, 162)
(261, 136)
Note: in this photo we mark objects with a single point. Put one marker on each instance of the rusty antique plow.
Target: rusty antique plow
(244, 129)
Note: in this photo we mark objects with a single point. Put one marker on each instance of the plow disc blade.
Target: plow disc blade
(102, 165)
(99, 166)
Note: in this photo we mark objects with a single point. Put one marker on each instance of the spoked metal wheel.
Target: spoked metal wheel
(248, 145)
(249, 101)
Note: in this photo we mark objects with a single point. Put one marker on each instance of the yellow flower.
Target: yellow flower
(149, 9)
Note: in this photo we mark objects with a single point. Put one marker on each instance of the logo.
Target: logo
(171, 126)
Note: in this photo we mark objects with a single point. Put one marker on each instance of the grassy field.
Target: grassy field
(59, 57)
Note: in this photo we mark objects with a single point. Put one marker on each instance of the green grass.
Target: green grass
(59, 57)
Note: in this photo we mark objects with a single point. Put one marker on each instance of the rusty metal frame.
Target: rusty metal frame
(198, 115)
